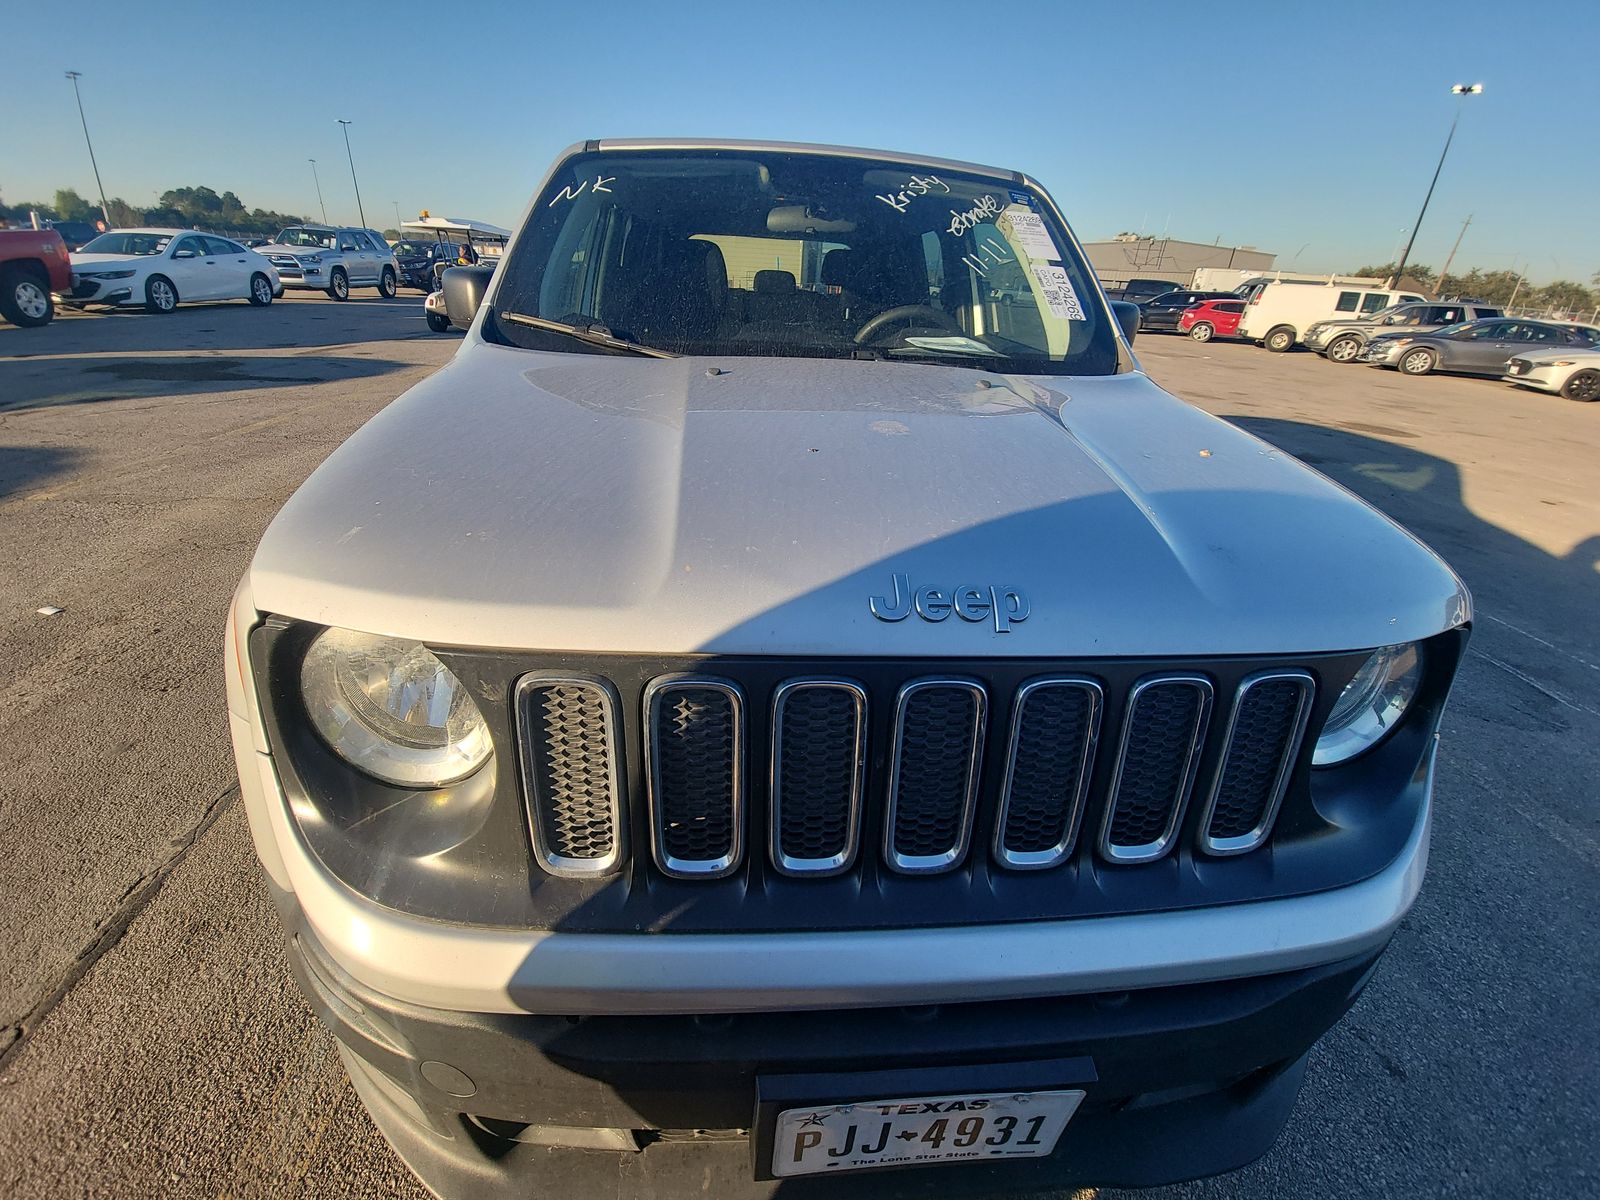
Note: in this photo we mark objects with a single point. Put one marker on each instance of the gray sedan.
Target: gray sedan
(1472, 347)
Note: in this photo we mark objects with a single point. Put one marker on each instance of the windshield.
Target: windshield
(127, 243)
(320, 239)
(809, 255)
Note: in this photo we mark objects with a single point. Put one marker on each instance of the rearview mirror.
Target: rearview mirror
(1127, 316)
(464, 289)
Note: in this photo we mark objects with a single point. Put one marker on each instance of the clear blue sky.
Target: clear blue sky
(1308, 130)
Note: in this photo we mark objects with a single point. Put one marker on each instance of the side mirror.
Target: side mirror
(184, 254)
(464, 289)
(1127, 316)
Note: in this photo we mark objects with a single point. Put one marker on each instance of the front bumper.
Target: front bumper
(1540, 378)
(1377, 354)
(1186, 1081)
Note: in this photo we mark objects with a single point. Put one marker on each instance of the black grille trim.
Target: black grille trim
(951, 855)
(1182, 766)
(552, 817)
(1067, 813)
(1229, 768)
(661, 754)
(837, 863)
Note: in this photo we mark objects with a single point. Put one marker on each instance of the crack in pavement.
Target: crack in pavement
(134, 901)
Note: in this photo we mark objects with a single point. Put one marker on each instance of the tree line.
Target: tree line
(1498, 287)
(180, 208)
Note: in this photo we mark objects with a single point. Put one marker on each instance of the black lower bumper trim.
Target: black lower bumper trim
(1188, 1081)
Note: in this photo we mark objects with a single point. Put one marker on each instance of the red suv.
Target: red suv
(1211, 318)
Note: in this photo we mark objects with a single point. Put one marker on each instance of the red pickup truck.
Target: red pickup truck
(33, 264)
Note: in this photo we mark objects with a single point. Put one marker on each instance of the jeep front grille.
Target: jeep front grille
(933, 782)
(694, 753)
(570, 773)
(1263, 739)
(819, 761)
(1162, 737)
(1054, 726)
(899, 765)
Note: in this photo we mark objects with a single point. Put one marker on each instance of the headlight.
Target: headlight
(389, 708)
(312, 258)
(1370, 706)
(108, 274)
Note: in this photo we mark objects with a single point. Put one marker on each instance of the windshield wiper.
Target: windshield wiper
(591, 333)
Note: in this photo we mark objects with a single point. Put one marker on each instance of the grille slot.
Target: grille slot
(1265, 730)
(818, 774)
(1055, 724)
(933, 782)
(571, 774)
(1162, 737)
(694, 746)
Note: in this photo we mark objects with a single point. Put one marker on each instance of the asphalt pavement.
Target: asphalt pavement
(151, 1042)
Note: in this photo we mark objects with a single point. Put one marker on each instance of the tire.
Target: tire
(24, 300)
(1279, 339)
(1343, 349)
(260, 290)
(1584, 386)
(1418, 362)
(387, 286)
(437, 323)
(160, 296)
(339, 284)
(1202, 331)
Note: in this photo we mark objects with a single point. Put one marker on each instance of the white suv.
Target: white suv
(333, 259)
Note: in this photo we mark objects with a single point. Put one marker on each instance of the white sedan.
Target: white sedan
(1572, 373)
(162, 268)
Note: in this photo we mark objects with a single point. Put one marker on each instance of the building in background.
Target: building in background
(1128, 256)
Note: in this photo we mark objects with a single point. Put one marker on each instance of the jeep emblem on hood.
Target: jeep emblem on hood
(999, 602)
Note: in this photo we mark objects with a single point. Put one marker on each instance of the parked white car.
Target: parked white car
(162, 268)
(334, 259)
(1573, 374)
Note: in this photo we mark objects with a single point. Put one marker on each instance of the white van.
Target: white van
(1276, 311)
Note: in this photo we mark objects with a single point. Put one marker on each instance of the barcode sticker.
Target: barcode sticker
(1057, 291)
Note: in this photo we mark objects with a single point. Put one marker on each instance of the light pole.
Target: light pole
(1460, 89)
(345, 125)
(318, 182)
(396, 204)
(105, 212)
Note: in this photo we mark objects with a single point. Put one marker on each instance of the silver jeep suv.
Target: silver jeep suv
(1341, 340)
(773, 709)
(333, 259)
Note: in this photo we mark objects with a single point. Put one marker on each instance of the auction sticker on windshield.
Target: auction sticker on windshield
(920, 1130)
(1024, 228)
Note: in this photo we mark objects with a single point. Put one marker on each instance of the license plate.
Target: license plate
(920, 1130)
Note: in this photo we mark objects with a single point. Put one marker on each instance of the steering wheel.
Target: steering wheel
(901, 312)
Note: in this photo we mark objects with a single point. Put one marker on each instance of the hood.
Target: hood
(85, 261)
(586, 502)
(294, 251)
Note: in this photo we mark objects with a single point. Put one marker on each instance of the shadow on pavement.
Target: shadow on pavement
(23, 468)
(297, 323)
(31, 384)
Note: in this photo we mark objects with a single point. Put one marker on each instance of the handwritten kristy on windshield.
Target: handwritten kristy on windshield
(917, 185)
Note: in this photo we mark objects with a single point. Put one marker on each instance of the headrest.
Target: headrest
(769, 282)
(836, 268)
